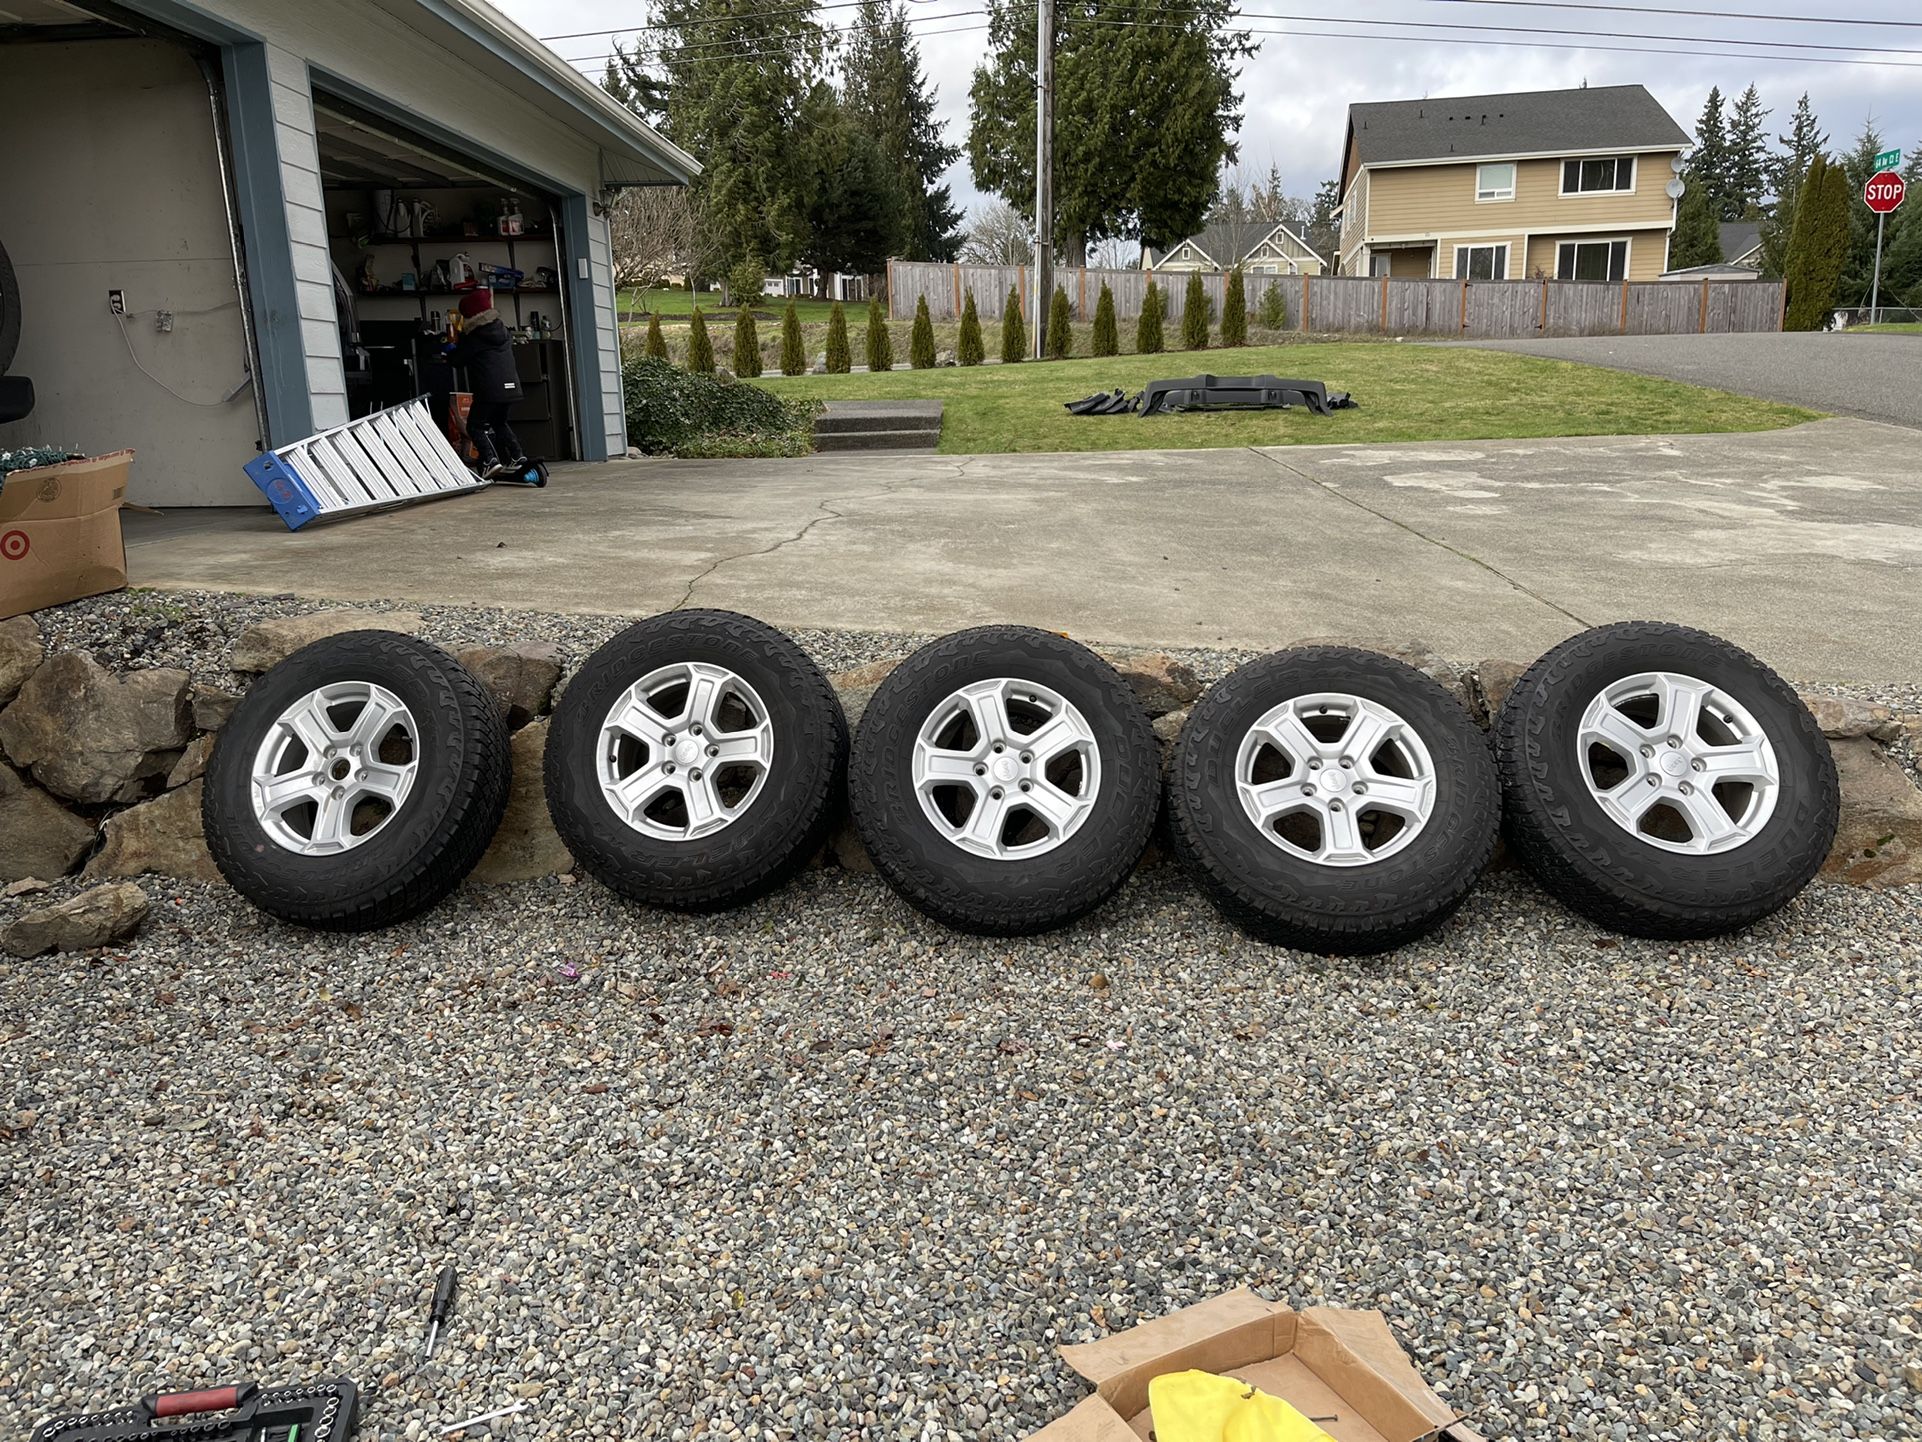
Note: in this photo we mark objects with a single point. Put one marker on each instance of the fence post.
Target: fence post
(1081, 290)
(1463, 325)
(1781, 303)
(1304, 302)
(1701, 324)
(957, 290)
(1383, 327)
(1622, 327)
(891, 314)
(1542, 324)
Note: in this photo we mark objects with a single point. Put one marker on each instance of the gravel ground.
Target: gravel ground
(820, 1169)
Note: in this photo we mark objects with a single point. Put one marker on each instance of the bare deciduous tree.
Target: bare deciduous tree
(997, 234)
(657, 231)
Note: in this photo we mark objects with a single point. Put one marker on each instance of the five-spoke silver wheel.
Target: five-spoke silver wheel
(335, 767)
(1677, 763)
(1335, 779)
(685, 751)
(1006, 769)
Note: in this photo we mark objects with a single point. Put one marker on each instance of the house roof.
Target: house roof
(1530, 122)
(1227, 242)
(1739, 238)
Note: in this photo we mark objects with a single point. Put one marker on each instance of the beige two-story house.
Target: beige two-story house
(1562, 184)
(1258, 247)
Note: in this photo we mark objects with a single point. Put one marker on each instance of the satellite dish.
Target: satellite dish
(1676, 163)
(1674, 188)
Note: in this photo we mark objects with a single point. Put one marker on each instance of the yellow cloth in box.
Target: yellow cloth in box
(1201, 1407)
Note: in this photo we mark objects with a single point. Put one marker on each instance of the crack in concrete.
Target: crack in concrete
(1456, 551)
(825, 506)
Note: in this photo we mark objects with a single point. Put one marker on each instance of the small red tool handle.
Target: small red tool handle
(185, 1404)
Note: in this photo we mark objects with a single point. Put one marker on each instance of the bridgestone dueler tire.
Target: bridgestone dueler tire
(1280, 896)
(1597, 867)
(431, 841)
(782, 826)
(988, 895)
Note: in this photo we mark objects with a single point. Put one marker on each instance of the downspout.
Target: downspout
(216, 100)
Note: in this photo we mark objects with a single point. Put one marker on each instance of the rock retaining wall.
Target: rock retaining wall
(101, 772)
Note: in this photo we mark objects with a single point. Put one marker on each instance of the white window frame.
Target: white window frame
(1634, 174)
(1627, 243)
(1485, 195)
(1469, 250)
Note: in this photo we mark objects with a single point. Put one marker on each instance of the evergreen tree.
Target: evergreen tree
(632, 81)
(1324, 232)
(1800, 146)
(1060, 335)
(1902, 252)
(747, 344)
(1148, 323)
(880, 342)
(839, 359)
(970, 351)
(1014, 331)
(1819, 246)
(890, 98)
(921, 338)
(794, 358)
(1234, 311)
(1194, 313)
(1746, 171)
(856, 209)
(656, 347)
(1708, 162)
(1104, 341)
(1122, 68)
(1697, 239)
(700, 350)
(1274, 305)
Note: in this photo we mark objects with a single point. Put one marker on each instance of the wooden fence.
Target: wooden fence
(1371, 305)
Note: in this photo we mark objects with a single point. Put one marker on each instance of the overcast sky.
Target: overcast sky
(1296, 90)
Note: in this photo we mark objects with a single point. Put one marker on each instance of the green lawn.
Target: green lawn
(1887, 327)
(1403, 393)
(676, 305)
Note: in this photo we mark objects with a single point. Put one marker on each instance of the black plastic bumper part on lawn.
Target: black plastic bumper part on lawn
(1215, 393)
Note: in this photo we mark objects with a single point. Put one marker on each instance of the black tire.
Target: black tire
(1614, 876)
(9, 312)
(984, 894)
(781, 827)
(1278, 893)
(424, 848)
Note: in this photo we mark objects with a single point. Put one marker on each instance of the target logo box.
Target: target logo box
(60, 532)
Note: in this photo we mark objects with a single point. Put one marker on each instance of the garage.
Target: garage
(233, 223)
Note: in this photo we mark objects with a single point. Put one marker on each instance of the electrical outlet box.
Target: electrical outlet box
(163, 320)
(117, 301)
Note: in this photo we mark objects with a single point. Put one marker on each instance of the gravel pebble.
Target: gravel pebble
(819, 1169)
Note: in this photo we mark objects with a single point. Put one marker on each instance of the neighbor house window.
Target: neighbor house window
(1591, 260)
(1612, 173)
(1495, 182)
(1481, 262)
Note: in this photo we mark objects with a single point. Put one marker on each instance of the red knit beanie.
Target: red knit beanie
(476, 301)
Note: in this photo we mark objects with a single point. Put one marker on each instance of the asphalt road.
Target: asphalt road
(1877, 377)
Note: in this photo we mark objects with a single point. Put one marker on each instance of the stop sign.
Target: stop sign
(1883, 191)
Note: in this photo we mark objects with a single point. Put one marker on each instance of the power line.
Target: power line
(707, 20)
(1691, 14)
(694, 48)
(755, 54)
(1544, 30)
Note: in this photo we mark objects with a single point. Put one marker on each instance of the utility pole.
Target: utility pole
(1043, 173)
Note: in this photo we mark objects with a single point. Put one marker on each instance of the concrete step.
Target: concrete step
(873, 417)
(890, 440)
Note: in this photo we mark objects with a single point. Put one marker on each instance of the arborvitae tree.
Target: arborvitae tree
(1708, 162)
(1060, 336)
(880, 343)
(747, 344)
(1148, 324)
(1274, 304)
(1234, 311)
(1014, 331)
(971, 351)
(1819, 246)
(1697, 240)
(839, 361)
(1194, 314)
(656, 347)
(794, 356)
(921, 339)
(1746, 178)
(1104, 341)
(700, 350)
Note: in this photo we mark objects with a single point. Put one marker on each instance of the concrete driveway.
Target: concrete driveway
(1876, 376)
(1804, 545)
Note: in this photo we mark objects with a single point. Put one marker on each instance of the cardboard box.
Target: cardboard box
(60, 532)
(1342, 1366)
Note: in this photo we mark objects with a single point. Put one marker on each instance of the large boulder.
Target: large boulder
(1494, 680)
(213, 707)
(1843, 718)
(1880, 840)
(161, 837)
(267, 643)
(93, 918)
(95, 738)
(522, 677)
(857, 685)
(21, 653)
(525, 845)
(38, 836)
(192, 764)
(1162, 683)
